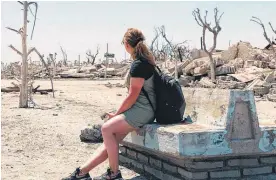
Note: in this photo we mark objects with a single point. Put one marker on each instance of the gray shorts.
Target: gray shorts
(139, 115)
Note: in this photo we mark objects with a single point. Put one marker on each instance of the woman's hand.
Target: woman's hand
(110, 115)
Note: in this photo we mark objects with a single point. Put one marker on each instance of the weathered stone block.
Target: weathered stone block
(155, 162)
(185, 80)
(272, 91)
(124, 159)
(271, 97)
(243, 162)
(207, 83)
(230, 54)
(170, 168)
(130, 162)
(154, 172)
(225, 69)
(202, 70)
(238, 63)
(245, 51)
(259, 170)
(169, 177)
(206, 165)
(192, 175)
(225, 174)
(249, 63)
(122, 149)
(132, 154)
(142, 158)
(260, 177)
(268, 160)
(260, 91)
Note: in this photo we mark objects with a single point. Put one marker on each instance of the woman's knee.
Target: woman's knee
(106, 128)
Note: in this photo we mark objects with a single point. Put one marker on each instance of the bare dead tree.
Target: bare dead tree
(175, 51)
(154, 40)
(92, 57)
(172, 54)
(214, 30)
(64, 54)
(23, 99)
(258, 21)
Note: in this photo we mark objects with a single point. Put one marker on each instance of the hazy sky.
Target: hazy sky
(78, 26)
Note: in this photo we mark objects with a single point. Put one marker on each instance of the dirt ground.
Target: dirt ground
(44, 143)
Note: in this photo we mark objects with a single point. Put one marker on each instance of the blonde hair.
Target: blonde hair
(135, 39)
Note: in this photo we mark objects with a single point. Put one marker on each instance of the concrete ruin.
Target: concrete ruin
(227, 135)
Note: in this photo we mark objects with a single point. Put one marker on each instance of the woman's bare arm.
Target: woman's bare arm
(136, 85)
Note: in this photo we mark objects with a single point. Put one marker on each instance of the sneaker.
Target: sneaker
(76, 176)
(109, 176)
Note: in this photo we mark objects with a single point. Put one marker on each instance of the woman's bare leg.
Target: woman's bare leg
(116, 125)
(99, 157)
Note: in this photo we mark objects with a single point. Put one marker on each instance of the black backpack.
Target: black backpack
(170, 101)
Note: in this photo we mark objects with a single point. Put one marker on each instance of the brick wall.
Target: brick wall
(155, 167)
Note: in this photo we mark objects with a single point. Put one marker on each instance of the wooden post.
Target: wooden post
(23, 101)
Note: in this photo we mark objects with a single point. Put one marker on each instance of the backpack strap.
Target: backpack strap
(147, 96)
(154, 66)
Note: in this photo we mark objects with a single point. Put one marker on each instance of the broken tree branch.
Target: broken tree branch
(258, 21)
(272, 27)
(36, 6)
(17, 51)
(47, 68)
(154, 39)
(17, 31)
(30, 51)
(20, 2)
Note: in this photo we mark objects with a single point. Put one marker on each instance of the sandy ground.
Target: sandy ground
(44, 143)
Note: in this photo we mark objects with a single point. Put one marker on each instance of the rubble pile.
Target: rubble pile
(12, 71)
(239, 67)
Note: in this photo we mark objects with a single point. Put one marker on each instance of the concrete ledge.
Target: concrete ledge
(195, 141)
(224, 123)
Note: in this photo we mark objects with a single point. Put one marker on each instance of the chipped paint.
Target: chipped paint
(267, 142)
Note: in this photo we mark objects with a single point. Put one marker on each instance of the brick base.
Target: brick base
(154, 166)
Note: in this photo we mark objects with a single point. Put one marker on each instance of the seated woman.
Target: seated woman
(133, 114)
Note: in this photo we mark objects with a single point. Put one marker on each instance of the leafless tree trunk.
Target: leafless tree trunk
(92, 57)
(23, 101)
(214, 30)
(53, 60)
(64, 56)
(270, 41)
